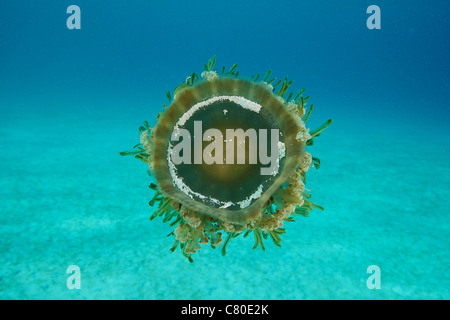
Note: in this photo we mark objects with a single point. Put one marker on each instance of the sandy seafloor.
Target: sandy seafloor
(69, 198)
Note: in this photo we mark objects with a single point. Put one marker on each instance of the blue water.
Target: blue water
(70, 100)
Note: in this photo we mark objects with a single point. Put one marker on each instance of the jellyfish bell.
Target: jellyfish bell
(229, 191)
(228, 155)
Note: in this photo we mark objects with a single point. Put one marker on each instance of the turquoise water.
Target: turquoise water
(70, 100)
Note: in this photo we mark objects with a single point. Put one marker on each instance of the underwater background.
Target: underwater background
(71, 100)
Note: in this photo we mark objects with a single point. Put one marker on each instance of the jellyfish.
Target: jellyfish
(228, 158)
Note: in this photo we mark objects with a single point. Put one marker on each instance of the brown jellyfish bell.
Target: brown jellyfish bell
(228, 155)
